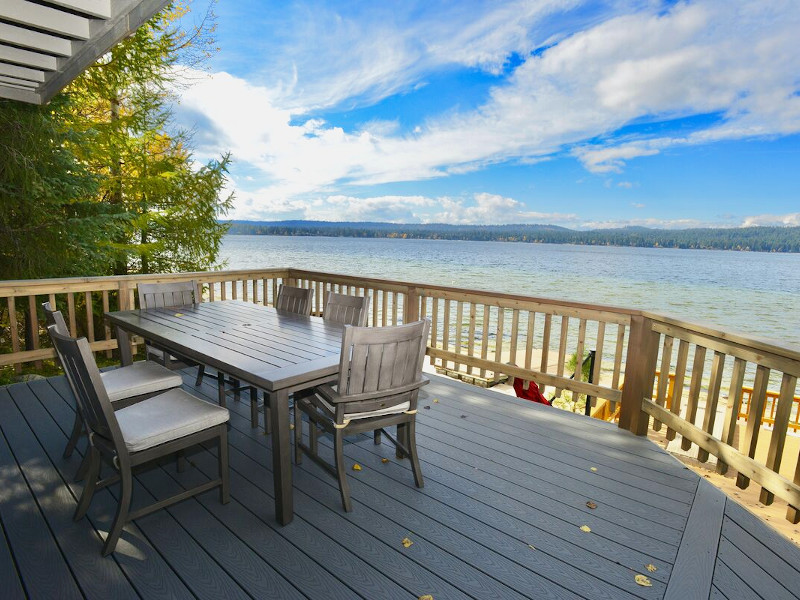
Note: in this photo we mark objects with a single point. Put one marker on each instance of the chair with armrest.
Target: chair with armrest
(380, 373)
(140, 433)
(124, 385)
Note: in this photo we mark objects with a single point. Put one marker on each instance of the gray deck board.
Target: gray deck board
(499, 516)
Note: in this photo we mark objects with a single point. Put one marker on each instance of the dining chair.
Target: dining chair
(348, 310)
(294, 299)
(137, 434)
(380, 373)
(174, 294)
(124, 385)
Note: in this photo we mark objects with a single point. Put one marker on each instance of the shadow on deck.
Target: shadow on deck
(506, 491)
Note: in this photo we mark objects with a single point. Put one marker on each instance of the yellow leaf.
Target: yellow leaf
(436, 401)
(356, 467)
(178, 314)
(593, 469)
(384, 460)
(426, 597)
(586, 528)
(531, 546)
(643, 581)
(652, 568)
(407, 542)
(291, 425)
(591, 504)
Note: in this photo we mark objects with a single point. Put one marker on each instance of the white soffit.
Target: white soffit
(46, 44)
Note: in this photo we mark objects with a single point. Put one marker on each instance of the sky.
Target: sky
(583, 114)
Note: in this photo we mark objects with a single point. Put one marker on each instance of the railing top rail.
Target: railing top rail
(730, 338)
(25, 287)
(427, 288)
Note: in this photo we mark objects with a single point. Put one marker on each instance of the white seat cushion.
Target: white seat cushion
(143, 377)
(168, 416)
(389, 410)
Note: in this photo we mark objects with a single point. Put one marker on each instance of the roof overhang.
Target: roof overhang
(45, 45)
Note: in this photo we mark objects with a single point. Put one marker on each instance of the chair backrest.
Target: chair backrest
(349, 310)
(54, 317)
(84, 377)
(158, 295)
(379, 359)
(294, 299)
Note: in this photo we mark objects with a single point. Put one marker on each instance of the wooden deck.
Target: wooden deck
(506, 491)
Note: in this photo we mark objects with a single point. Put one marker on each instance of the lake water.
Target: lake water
(756, 294)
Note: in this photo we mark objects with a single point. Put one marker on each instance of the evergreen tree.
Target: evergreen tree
(146, 169)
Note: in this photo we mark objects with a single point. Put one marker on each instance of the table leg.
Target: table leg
(281, 456)
(124, 343)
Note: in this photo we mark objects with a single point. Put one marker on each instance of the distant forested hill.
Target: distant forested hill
(758, 239)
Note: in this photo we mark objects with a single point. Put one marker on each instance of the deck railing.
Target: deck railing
(481, 335)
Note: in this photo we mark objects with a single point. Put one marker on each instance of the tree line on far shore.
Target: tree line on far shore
(755, 239)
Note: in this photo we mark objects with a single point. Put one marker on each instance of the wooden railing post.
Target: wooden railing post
(411, 305)
(640, 373)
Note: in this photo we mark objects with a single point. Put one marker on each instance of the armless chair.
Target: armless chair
(138, 434)
(160, 295)
(124, 385)
(294, 299)
(380, 373)
(348, 310)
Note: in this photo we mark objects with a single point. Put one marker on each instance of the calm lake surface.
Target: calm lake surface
(752, 293)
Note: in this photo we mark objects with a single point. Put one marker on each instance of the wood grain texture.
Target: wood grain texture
(697, 555)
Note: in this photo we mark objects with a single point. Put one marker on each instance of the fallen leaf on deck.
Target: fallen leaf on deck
(586, 528)
(356, 467)
(531, 546)
(426, 597)
(426, 407)
(463, 416)
(643, 581)
(591, 505)
(436, 401)
(652, 568)
(593, 469)
(178, 314)
(384, 460)
(291, 425)
(407, 542)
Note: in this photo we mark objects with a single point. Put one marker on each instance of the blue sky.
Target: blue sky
(580, 114)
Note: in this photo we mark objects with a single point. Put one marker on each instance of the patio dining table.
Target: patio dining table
(271, 350)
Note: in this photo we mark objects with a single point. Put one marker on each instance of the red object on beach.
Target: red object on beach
(532, 393)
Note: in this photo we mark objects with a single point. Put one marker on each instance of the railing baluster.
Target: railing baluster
(485, 337)
(106, 328)
(529, 339)
(618, 351)
(698, 365)
(471, 336)
(680, 379)
(562, 350)
(498, 341)
(73, 327)
(446, 329)
(732, 409)
(89, 316)
(512, 350)
(459, 320)
(548, 323)
(598, 357)
(757, 398)
(663, 378)
(14, 327)
(435, 325)
(712, 398)
(778, 440)
(33, 327)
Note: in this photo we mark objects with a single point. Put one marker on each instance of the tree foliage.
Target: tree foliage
(49, 223)
(147, 168)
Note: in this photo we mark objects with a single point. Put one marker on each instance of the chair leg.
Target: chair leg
(402, 437)
(221, 388)
(236, 393)
(83, 468)
(298, 434)
(180, 461)
(253, 407)
(77, 430)
(338, 452)
(313, 436)
(224, 471)
(376, 436)
(126, 491)
(411, 444)
(201, 371)
(91, 483)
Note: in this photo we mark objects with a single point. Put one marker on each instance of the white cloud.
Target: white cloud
(735, 58)
(791, 219)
